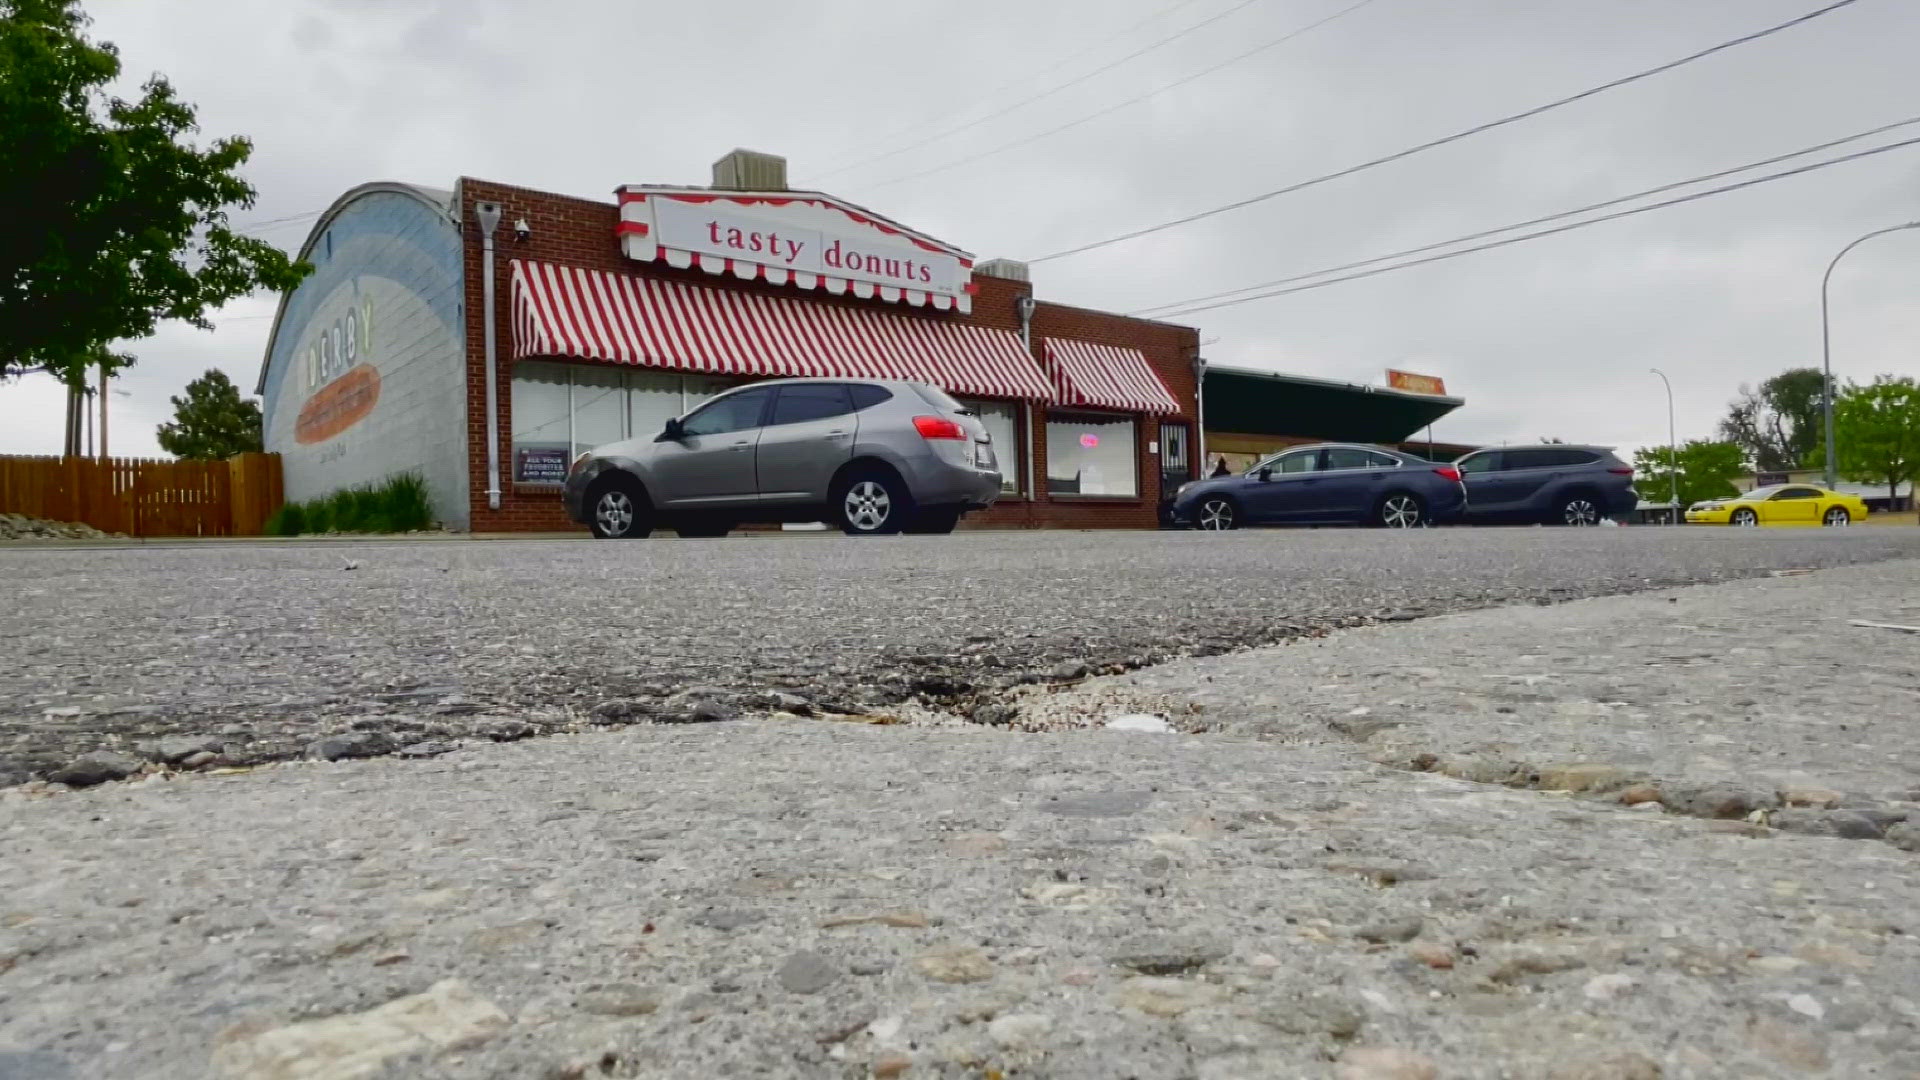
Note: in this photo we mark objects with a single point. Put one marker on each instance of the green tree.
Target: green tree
(213, 421)
(1777, 426)
(1707, 471)
(1877, 433)
(117, 222)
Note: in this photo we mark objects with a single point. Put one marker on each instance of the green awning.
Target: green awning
(1246, 402)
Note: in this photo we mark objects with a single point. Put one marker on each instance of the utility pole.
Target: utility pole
(103, 412)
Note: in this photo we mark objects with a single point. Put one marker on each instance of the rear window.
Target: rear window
(867, 395)
(938, 398)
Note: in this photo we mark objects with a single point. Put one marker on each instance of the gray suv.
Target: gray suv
(1551, 485)
(869, 456)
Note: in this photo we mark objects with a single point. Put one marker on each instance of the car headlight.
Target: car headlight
(1184, 488)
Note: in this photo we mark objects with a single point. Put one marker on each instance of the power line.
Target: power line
(1003, 87)
(1455, 137)
(1049, 92)
(1689, 182)
(1109, 110)
(1696, 196)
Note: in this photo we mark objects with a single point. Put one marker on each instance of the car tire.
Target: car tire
(1579, 511)
(1216, 513)
(1400, 510)
(933, 522)
(1744, 518)
(702, 528)
(1838, 517)
(870, 503)
(617, 509)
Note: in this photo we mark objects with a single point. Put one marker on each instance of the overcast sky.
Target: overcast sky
(1548, 338)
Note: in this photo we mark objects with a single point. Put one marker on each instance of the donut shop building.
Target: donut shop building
(484, 336)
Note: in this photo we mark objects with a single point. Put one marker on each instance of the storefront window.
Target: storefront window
(1001, 421)
(563, 410)
(1090, 454)
(653, 399)
(542, 423)
(599, 408)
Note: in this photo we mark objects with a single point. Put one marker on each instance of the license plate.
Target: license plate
(983, 455)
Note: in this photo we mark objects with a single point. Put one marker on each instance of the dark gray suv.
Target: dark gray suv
(1551, 485)
(869, 456)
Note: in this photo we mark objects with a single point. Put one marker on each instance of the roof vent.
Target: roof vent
(1011, 269)
(750, 170)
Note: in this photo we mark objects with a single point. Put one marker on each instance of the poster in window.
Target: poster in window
(540, 464)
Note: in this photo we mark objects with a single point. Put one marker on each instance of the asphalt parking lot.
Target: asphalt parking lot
(260, 648)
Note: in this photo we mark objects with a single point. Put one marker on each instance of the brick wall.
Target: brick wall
(580, 232)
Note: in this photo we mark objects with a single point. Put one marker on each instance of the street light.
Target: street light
(1826, 345)
(1673, 447)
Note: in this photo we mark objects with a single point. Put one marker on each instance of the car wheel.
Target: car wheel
(1579, 511)
(620, 509)
(702, 528)
(1745, 518)
(1401, 510)
(870, 504)
(933, 522)
(1217, 514)
(1838, 518)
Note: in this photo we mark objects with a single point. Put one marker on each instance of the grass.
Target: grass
(397, 504)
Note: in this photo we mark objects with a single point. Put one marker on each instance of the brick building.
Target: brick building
(610, 317)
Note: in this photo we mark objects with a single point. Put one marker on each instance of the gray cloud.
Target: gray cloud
(1552, 337)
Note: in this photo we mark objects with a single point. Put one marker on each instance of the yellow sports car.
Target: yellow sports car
(1783, 504)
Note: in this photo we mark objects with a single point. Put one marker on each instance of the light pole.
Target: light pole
(1673, 447)
(1826, 345)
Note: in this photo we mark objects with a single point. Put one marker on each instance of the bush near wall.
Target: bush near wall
(397, 504)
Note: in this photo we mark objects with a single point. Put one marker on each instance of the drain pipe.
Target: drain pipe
(1024, 305)
(489, 215)
(1200, 413)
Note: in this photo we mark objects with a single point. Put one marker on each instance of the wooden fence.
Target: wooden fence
(145, 498)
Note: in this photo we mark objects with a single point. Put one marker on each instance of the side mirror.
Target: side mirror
(673, 432)
(1265, 473)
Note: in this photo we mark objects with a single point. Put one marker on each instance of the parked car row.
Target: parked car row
(881, 456)
(1351, 484)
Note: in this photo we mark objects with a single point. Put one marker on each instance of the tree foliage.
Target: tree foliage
(213, 421)
(1877, 433)
(117, 221)
(1707, 470)
(1779, 425)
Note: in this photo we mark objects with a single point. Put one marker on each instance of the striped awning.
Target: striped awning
(595, 315)
(1106, 377)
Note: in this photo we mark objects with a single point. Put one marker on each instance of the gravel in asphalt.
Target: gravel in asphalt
(826, 898)
(278, 651)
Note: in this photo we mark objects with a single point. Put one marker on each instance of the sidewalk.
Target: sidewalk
(797, 898)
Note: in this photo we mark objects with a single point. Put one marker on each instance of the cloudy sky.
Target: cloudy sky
(1548, 338)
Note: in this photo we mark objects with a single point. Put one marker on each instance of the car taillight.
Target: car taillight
(938, 427)
(1449, 472)
(1621, 472)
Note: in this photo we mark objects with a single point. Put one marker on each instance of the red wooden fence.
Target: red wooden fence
(145, 498)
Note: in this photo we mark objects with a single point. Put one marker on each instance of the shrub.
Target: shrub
(397, 504)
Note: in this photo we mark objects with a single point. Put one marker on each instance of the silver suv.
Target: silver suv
(869, 456)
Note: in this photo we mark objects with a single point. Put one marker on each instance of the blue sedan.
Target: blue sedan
(1327, 484)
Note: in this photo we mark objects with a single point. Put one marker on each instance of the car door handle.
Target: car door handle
(836, 434)
(743, 445)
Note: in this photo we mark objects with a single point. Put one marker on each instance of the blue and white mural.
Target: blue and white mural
(366, 374)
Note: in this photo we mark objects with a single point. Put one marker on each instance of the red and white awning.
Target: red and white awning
(1106, 377)
(595, 315)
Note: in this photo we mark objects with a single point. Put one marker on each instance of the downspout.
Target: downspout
(1200, 413)
(1024, 305)
(489, 216)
